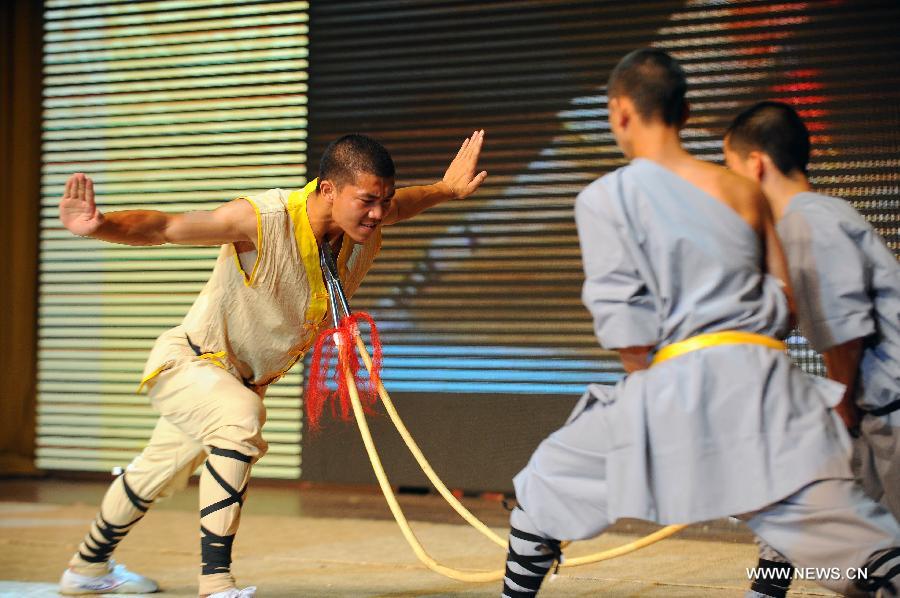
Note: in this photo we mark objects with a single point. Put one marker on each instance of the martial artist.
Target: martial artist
(257, 315)
(846, 286)
(682, 269)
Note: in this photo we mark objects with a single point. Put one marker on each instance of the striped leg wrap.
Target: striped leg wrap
(883, 571)
(215, 552)
(774, 578)
(529, 559)
(223, 485)
(123, 508)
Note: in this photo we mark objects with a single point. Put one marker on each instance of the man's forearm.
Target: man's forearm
(635, 358)
(842, 365)
(133, 227)
(410, 201)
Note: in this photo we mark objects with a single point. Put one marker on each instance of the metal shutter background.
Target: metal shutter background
(502, 269)
(175, 105)
(480, 298)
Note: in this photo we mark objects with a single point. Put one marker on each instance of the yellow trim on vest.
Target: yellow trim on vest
(215, 358)
(152, 375)
(713, 339)
(294, 359)
(309, 251)
(249, 280)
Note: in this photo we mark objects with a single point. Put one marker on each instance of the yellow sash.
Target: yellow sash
(214, 358)
(726, 337)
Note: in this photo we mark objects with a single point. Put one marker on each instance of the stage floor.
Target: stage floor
(299, 541)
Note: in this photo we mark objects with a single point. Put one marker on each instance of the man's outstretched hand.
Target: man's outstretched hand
(77, 209)
(460, 176)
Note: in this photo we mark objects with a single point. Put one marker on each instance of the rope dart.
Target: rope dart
(344, 333)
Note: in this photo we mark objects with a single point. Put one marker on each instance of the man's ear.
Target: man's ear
(327, 190)
(619, 112)
(685, 114)
(760, 164)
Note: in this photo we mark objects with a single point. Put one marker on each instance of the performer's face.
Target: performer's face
(359, 206)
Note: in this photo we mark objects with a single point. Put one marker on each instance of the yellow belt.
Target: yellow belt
(713, 339)
(214, 358)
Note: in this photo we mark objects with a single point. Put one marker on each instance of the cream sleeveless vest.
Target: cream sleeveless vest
(258, 324)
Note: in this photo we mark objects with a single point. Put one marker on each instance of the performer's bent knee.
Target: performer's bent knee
(519, 519)
(238, 427)
(246, 440)
(159, 475)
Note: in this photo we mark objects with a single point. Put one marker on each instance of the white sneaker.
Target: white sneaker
(117, 580)
(235, 593)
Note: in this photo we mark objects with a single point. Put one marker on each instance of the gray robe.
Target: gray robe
(720, 431)
(847, 286)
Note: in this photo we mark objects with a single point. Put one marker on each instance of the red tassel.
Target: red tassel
(377, 357)
(317, 392)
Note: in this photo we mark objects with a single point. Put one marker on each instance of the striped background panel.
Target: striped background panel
(172, 105)
(476, 296)
(482, 295)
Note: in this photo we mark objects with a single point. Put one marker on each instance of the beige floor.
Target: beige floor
(297, 542)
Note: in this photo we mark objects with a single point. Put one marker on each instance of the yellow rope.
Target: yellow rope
(420, 457)
(411, 538)
(423, 556)
(605, 555)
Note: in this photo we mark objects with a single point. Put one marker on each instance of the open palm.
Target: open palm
(460, 175)
(77, 210)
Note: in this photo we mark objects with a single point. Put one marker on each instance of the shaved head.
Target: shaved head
(655, 83)
(351, 155)
(775, 129)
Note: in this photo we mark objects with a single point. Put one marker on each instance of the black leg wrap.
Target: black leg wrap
(215, 552)
(508, 592)
(525, 572)
(112, 535)
(533, 562)
(883, 570)
(215, 549)
(773, 579)
(531, 583)
(235, 496)
(230, 453)
(141, 504)
(103, 537)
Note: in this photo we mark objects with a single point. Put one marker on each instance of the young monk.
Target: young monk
(258, 314)
(847, 290)
(682, 269)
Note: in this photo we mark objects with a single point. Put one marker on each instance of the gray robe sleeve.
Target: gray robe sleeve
(623, 309)
(828, 273)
